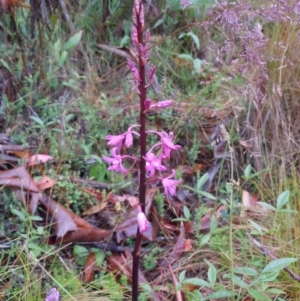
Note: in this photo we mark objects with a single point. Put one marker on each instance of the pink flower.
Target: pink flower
(52, 295)
(142, 220)
(170, 184)
(162, 104)
(153, 163)
(115, 140)
(135, 73)
(185, 3)
(168, 145)
(115, 162)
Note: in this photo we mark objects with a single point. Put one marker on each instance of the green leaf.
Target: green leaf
(205, 239)
(186, 212)
(158, 22)
(255, 226)
(274, 291)
(181, 276)
(100, 257)
(219, 295)
(18, 213)
(197, 65)
(268, 277)
(73, 41)
(195, 39)
(258, 295)
(278, 264)
(212, 273)
(237, 280)
(62, 58)
(267, 206)
(245, 271)
(38, 121)
(125, 41)
(185, 56)
(197, 281)
(35, 218)
(213, 223)
(202, 181)
(283, 199)
(80, 254)
(207, 195)
(6, 66)
(247, 171)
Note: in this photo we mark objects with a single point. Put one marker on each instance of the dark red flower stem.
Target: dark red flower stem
(142, 180)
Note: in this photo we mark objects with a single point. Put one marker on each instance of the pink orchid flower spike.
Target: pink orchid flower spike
(142, 220)
(169, 184)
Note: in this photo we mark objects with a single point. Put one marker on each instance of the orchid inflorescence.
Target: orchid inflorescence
(151, 161)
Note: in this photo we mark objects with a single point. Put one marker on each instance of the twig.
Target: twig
(272, 256)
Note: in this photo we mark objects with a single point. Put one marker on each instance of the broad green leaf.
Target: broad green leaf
(181, 276)
(186, 212)
(283, 199)
(258, 295)
(195, 39)
(38, 120)
(219, 295)
(247, 171)
(185, 56)
(245, 271)
(100, 257)
(18, 213)
(125, 41)
(205, 239)
(237, 280)
(202, 181)
(267, 206)
(255, 226)
(80, 254)
(197, 65)
(35, 218)
(158, 22)
(212, 273)
(73, 41)
(197, 281)
(62, 58)
(6, 65)
(274, 291)
(268, 277)
(207, 195)
(278, 264)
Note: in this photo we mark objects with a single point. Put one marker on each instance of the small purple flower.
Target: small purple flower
(162, 104)
(136, 75)
(115, 140)
(168, 145)
(170, 184)
(115, 162)
(185, 3)
(153, 163)
(52, 295)
(142, 220)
